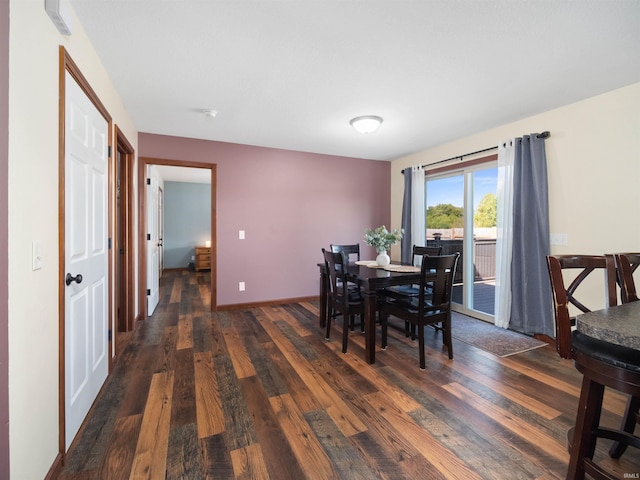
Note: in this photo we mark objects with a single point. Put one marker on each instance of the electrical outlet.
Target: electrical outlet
(559, 239)
(241, 286)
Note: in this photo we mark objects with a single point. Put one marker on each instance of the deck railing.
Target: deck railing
(484, 256)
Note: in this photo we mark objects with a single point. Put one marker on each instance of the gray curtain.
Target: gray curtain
(531, 310)
(406, 244)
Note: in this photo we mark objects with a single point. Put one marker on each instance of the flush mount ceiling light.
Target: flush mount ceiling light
(210, 113)
(366, 123)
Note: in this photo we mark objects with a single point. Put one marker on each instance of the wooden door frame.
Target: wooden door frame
(142, 233)
(124, 148)
(161, 229)
(68, 65)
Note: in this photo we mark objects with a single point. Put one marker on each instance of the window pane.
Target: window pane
(484, 239)
(445, 221)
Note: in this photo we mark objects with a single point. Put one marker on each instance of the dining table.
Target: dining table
(372, 279)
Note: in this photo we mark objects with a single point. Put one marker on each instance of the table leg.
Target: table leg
(370, 326)
(323, 299)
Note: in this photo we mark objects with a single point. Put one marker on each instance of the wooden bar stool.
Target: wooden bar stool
(602, 364)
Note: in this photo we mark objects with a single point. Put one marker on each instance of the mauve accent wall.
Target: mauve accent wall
(290, 205)
(4, 234)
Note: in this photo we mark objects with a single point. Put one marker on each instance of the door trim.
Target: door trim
(142, 216)
(68, 65)
(127, 193)
(161, 229)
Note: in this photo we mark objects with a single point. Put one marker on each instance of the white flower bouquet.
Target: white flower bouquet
(381, 238)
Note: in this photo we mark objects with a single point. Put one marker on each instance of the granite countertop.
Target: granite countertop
(619, 324)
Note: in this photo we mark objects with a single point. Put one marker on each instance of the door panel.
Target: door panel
(153, 256)
(483, 277)
(461, 219)
(86, 255)
(445, 221)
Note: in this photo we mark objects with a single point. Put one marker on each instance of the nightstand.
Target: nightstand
(203, 258)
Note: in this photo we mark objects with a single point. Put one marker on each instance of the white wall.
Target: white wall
(33, 215)
(593, 159)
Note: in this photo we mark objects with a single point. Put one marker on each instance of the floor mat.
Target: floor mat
(488, 337)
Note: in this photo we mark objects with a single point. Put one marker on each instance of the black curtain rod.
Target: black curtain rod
(546, 134)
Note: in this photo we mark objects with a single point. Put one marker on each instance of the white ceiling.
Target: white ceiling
(291, 73)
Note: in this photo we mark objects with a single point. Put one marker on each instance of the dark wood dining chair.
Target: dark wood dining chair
(352, 251)
(420, 251)
(343, 301)
(425, 309)
(626, 264)
(602, 364)
(401, 292)
(352, 254)
(576, 269)
(417, 253)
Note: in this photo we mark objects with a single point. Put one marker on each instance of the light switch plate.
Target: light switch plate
(241, 234)
(36, 256)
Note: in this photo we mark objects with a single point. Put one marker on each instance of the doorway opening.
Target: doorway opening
(461, 217)
(145, 237)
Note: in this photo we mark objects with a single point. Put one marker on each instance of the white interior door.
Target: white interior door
(86, 255)
(153, 249)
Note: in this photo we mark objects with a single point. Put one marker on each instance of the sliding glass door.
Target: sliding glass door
(461, 217)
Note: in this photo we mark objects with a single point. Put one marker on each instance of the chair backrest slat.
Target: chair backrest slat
(419, 251)
(626, 264)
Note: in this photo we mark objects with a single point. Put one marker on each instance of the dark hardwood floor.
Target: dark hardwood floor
(259, 393)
